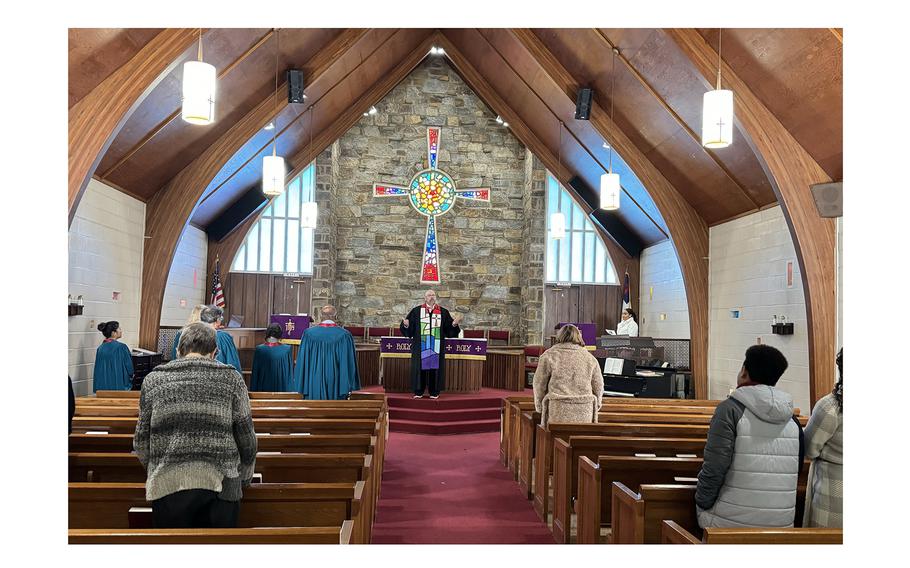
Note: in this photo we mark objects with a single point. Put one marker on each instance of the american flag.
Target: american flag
(217, 291)
(626, 292)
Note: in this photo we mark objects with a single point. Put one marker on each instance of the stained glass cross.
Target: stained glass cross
(432, 193)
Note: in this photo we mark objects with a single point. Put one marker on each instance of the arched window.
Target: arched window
(580, 257)
(277, 243)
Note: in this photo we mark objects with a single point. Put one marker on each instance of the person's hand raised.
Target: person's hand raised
(457, 321)
(405, 322)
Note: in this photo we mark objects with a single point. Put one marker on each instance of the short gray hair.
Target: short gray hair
(328, 312)
(197, 338)
(211, 314)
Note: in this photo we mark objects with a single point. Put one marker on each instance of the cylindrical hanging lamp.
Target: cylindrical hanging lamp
(199, 80)
(717, 111)
(609, 191)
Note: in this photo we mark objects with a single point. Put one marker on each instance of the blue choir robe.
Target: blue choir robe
(326, 364)
(227, 352)
(273, 368)
(174, 348)
(113, 367)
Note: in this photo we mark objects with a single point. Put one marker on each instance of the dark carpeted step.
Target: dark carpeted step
(444, 428)
(444, 415)
(443, 403)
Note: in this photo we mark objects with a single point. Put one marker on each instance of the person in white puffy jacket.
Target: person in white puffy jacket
(754, 450)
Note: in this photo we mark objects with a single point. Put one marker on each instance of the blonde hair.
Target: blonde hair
(569, 334)
(194, 315)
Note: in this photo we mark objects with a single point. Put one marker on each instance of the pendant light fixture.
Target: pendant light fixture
(610, 188)
(309, 211)
(558, 219)
(199, 80)
(717, 112)
(273, 170)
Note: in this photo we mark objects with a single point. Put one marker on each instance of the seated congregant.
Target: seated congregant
(326, 366)
(273, 364)
(227, 352)
(754, 450)
(195, 436)
(194, 317)
(568, 383)
(113, 363)
(825, 447)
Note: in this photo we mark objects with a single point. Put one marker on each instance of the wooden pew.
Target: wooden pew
(258, 412)
(107, 506)
(566, 454)
(254, 403)
(284, 443)
(543, 457)
(271, 535)
(505, 426)
(527, 447)
(637, 517)
(253, 394)
(518, 408)
(597, 493)
(673, 533)
(127, 425)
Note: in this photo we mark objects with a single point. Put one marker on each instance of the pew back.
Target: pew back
(259, 535)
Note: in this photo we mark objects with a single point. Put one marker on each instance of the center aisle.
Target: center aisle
(452, 490)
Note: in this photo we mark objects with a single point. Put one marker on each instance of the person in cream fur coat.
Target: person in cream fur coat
(568, 383)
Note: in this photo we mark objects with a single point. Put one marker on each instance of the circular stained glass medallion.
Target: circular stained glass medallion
(432, 192)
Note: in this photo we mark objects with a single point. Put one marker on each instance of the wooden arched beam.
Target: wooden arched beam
(622, 260)
(96, 119)
(688, 231)
(791, 170)
(168, 212)
(228, 246)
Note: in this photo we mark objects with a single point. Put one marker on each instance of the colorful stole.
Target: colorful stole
(430, 336)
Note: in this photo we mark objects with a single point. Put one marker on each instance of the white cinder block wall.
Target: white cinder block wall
(105, 256)
(839, 225)
(186, 280)
(660, 271)
(748, 272)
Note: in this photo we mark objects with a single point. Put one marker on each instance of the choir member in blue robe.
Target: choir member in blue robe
(326, 362)
(113, 363)
(227, 351)
(194, 317)
(273, 364)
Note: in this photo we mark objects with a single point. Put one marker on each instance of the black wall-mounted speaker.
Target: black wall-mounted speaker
(295, 86)
(583, 104)
(829, 198)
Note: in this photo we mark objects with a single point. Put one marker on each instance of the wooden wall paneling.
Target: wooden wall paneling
(688, 230)
(95, 120)
(791, 170)
(168, 211)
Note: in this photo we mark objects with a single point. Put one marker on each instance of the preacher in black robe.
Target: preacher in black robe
(428, 344)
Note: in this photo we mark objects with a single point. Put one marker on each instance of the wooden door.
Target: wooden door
(291, 294)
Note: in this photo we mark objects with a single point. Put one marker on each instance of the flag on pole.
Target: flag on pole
(217, 291)
(626, 292)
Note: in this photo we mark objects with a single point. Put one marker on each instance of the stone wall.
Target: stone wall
(490, 266)
(325, 254)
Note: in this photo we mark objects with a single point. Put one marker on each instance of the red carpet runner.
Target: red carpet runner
(452, 490)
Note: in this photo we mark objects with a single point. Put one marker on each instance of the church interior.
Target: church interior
(684, 181)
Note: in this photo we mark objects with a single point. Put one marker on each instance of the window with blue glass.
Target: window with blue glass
(580, 257)
(277, 243)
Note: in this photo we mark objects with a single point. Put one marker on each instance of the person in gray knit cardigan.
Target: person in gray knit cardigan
(568, 383)
(195, 436)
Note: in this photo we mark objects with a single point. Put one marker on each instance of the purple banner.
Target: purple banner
(588, 332)
(455, 348)
(292, 326)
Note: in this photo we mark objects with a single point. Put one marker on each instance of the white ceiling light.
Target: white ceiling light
(610, 186)
(199, 80)
(505, 124)
(273, 170)
(269, 126)
(717, 112)
(498, 119)
(610, 189)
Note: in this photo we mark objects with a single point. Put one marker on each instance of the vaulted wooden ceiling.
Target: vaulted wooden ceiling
(797, 74)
